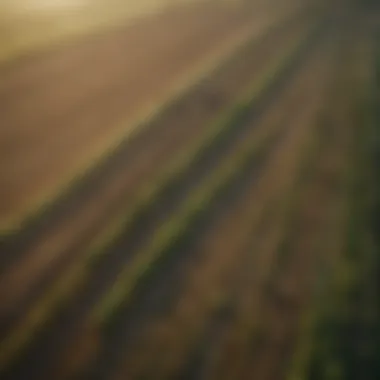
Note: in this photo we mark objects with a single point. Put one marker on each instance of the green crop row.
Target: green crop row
(326, 248)
(175, 232)
(328, 348)
(290, 208)
(333, 320)
(255, 331)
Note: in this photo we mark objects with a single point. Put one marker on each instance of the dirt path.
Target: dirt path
(61, 110)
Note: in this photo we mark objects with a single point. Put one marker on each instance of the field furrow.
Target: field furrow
(226, 234)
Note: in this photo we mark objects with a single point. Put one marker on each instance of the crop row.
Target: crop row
(333, 328)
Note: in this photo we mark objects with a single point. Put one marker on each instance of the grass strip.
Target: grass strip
(325, 348)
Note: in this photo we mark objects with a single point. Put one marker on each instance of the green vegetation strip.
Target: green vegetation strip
(280, 212)
(291, 204)
(289, 208)
(326, 349)
(35, 320)
(333, 319)
(328, 245)
(170, 236)
(300, 362)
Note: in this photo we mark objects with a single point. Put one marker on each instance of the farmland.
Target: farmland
(191, 197)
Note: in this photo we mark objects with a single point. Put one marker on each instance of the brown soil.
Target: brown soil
(241, 338)
(91, 296)
(60, 110)
(165, 343)
(66, 238)
(289, 294)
